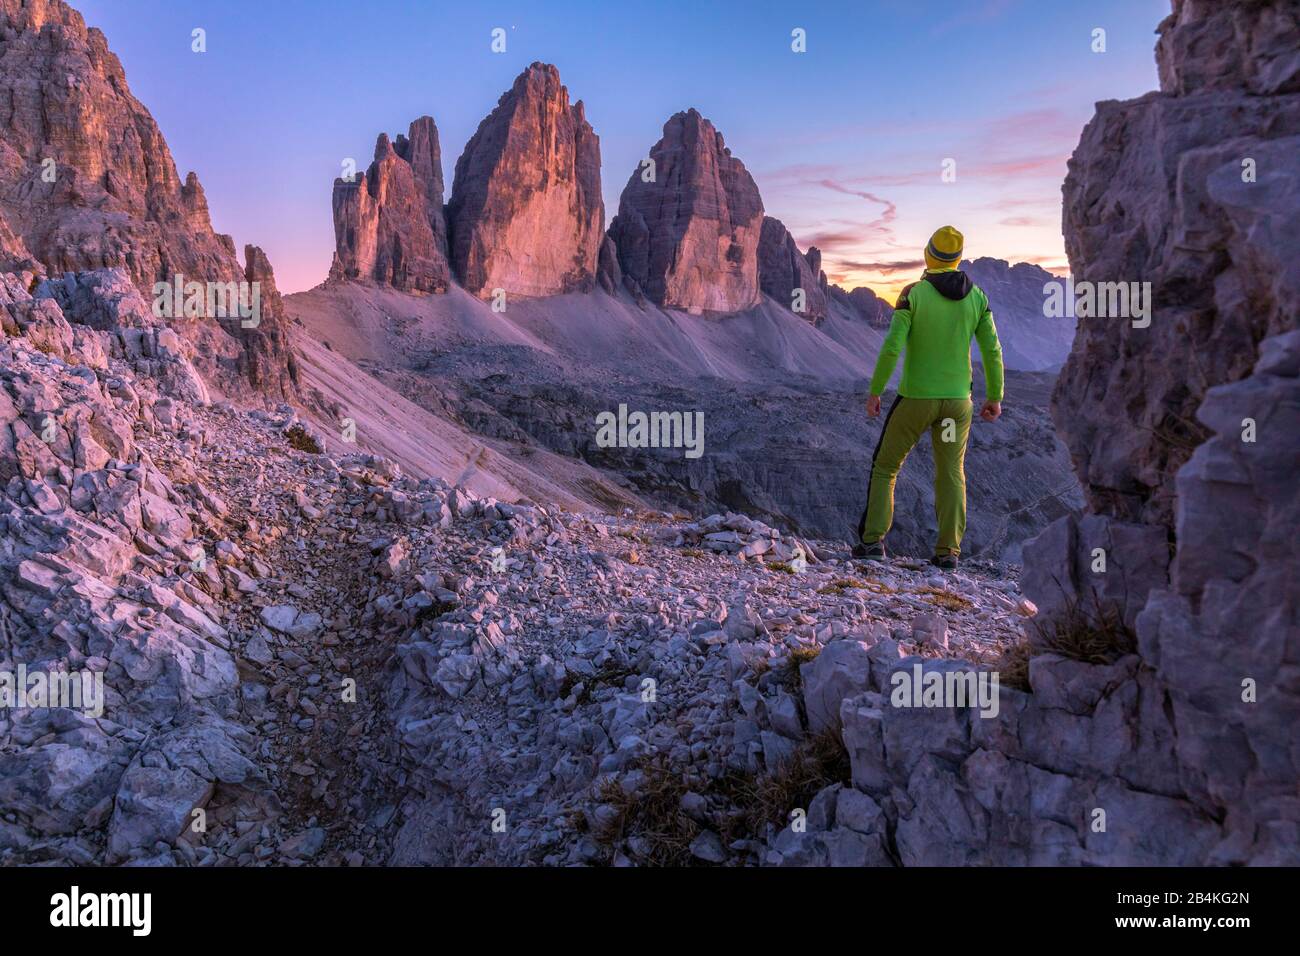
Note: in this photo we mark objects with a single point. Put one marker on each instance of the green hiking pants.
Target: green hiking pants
(948, 421)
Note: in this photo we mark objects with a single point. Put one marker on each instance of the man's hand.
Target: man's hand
(991, 411)
(873, 406)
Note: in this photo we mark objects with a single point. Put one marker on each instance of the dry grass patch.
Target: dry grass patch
(947, 600)
(750, 802)
(793, 677)
(1096, 635)
(1013, 666)
(840, 585)
(653, 813)
(763, 799)
(300, 440)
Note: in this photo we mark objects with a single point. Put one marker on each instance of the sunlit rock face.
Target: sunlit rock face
(87, 182)
(388, 222)
(688, 227)
(526, 214)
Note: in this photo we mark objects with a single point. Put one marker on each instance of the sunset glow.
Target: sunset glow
(845, 141)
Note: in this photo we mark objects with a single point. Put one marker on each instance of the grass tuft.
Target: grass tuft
(947, 600)
(653, 814)
(791, 676)
(1013, 666)
(750, 803)
(768, 799)
(1096, 635)
(299, 439)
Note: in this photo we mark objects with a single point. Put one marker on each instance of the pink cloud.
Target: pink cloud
(885, 268)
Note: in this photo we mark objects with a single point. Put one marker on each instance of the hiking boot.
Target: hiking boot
(945, 562)
(869, 552)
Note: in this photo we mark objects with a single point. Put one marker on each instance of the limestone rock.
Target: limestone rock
(388, 222)
(792, 278)
(87, 181)
(688, 235)
(1091, 564)
(526, 213)
(1159, 190)
(1195, 748)
(1216, 635)
(841, 670)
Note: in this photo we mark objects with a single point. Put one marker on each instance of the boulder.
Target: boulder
(842, 669)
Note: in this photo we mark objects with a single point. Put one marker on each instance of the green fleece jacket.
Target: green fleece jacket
(933, 323)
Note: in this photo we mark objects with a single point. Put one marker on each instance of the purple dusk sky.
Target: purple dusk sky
(846, 141)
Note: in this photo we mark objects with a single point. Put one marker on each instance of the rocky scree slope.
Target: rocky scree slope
(230, 583)
(786, 438)
(792, 453)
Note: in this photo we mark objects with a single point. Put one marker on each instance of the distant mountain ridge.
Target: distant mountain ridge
(525, 219)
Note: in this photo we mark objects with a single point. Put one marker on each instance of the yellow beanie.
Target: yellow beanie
(944, 249)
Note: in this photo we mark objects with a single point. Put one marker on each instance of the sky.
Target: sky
(847, 140)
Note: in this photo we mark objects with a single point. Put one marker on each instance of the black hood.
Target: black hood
(955, 285)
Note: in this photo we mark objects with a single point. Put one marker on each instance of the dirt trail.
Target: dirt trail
(308, 689)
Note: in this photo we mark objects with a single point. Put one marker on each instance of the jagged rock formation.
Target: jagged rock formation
(87, 181)
(1030, 339)
(266, 361)
(14, 255)
(688, 235)
(865, 304)
(609, 275)
(526, 214)
(1158, 192)
(1222, 357)
(389, 225)
(792, 278)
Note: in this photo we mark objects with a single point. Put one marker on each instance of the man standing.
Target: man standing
(933, 324)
